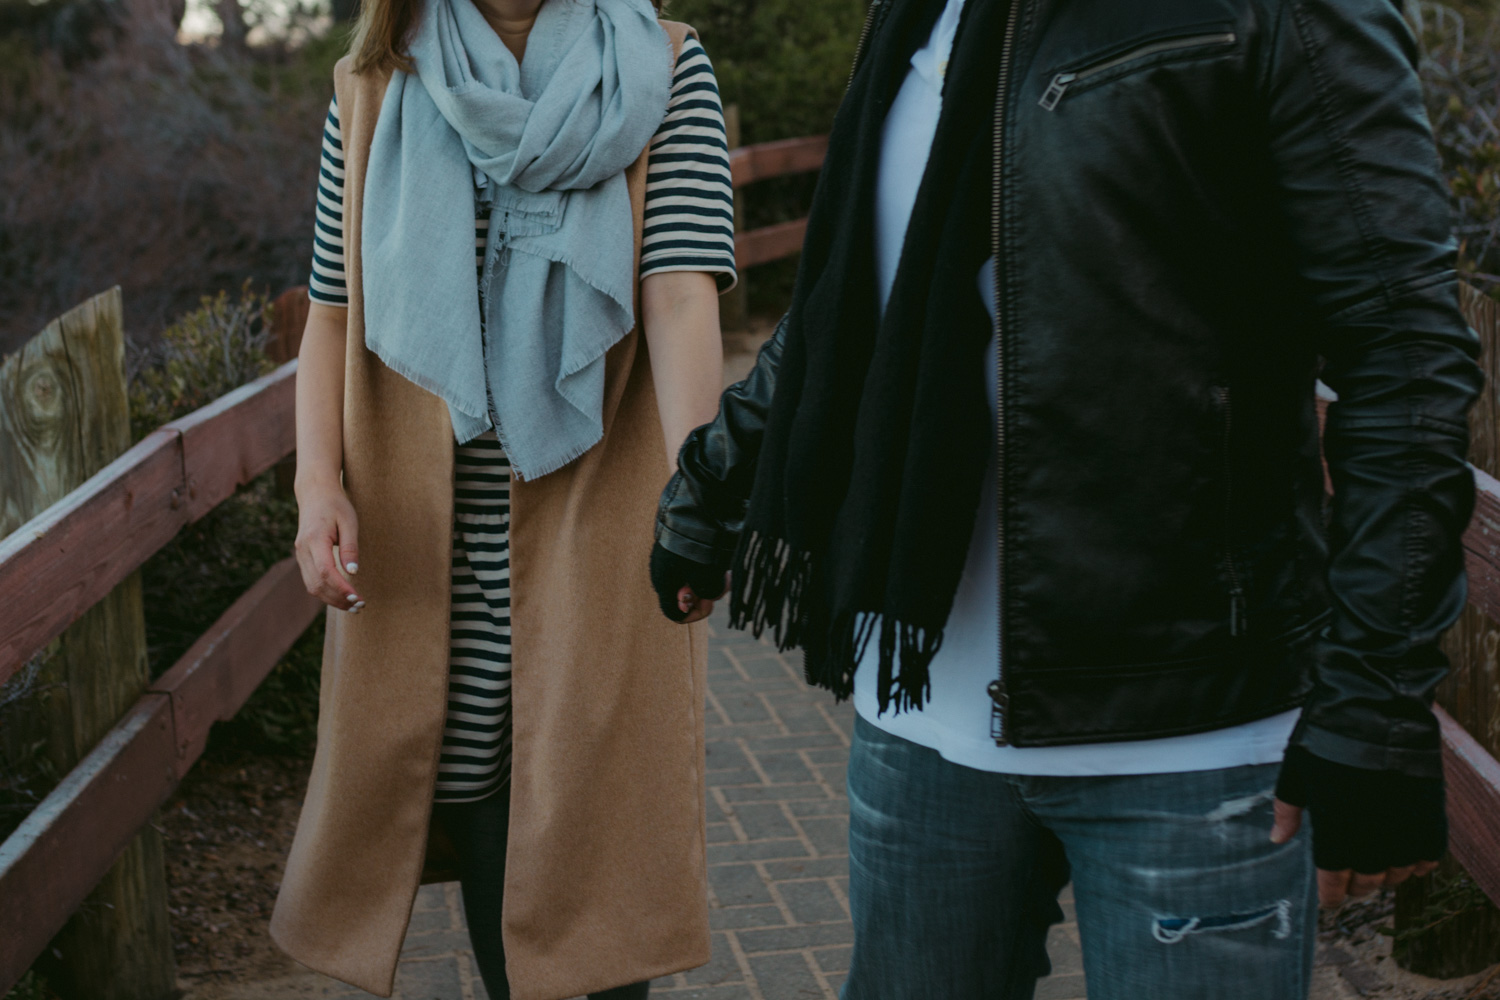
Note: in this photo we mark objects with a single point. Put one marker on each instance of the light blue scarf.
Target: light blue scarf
(546, 143)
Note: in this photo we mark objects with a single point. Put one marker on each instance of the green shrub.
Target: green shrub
(26, 772)
(1461, 74)
(786, 64)
(208, 352)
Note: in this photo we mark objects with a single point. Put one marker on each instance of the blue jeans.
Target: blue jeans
(954, 876)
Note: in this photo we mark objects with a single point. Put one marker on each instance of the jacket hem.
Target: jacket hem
(1155, 701)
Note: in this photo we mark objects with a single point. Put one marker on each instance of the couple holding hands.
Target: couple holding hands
(1030, 470)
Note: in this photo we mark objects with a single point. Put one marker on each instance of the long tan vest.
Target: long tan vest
(605, 870)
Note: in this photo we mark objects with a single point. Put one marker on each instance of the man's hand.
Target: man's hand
(1336, 886)
(686, 590)
(1370, 828)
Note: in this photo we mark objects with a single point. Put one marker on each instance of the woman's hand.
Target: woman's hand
(327, 534)
(326, 525)
(694, 607)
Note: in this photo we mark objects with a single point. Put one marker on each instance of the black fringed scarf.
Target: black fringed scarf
(870, 469)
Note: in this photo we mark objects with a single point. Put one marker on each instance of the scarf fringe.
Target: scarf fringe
(771, 583)
(915, 646)
(773, 590)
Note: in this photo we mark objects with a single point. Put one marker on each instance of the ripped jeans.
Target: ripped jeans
(955, 872)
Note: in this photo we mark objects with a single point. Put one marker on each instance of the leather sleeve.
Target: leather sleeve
(1370, 229)
(702, 510)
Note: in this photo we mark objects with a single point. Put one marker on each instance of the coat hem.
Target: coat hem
(327, 968)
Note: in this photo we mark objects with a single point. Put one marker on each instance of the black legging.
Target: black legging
(478, 832)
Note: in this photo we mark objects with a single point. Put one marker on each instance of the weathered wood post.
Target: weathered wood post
(64, 415)
(734, 305)
(1445, 927)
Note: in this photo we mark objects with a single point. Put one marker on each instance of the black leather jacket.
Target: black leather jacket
(1196, 201)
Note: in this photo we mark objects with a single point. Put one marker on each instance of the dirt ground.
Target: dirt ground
(227, 831)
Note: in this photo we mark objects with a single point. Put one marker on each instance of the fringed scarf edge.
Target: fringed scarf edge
(775, 589)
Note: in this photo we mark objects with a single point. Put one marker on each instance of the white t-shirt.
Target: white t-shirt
(956, 720)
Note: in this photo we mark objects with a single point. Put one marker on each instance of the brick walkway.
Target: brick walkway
(778, 859)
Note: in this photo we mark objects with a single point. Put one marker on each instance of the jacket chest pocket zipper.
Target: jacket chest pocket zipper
(1063, 81)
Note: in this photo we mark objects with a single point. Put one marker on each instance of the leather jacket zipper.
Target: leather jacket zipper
(999, 696)
(1062, 81)
(1237, 623)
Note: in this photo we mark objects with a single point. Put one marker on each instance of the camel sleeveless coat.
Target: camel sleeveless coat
(605, 880)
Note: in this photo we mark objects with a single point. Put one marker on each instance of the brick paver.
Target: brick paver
(778, 824)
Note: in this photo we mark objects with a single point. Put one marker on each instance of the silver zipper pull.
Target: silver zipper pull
(1237, 624)
(999, 701)
(1056, 89)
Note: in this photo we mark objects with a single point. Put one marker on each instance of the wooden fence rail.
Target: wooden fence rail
(763, 162)
(58, 565)
(1473, 774)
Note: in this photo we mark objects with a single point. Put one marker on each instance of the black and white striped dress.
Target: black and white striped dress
(689, 226)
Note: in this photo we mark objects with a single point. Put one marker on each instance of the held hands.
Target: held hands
(686, 590)
(1370, 828)
(327, 534)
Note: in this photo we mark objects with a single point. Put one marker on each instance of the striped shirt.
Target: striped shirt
(689, 199)
(475, 758)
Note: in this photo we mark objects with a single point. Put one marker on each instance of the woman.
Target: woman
(523, 213)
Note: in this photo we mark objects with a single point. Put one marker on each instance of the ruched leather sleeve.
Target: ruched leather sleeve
(1368, 216)
(702, 510)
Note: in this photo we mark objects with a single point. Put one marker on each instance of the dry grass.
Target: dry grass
(174, 171)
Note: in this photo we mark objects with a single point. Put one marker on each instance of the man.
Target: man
(1084, 621)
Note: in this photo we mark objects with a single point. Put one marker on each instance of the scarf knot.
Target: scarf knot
(518, 346)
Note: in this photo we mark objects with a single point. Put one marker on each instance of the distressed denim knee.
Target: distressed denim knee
(1179, 890)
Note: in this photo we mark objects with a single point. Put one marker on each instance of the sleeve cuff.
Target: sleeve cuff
(725, 274)
(708, 551)
(1347, 750)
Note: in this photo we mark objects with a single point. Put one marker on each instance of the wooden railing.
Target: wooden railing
(763, 162)
(58, 565)
(1472, 772)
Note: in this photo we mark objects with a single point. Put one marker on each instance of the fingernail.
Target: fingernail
(352, 598)
(352, 567)
(359, 605)
(354, 610)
